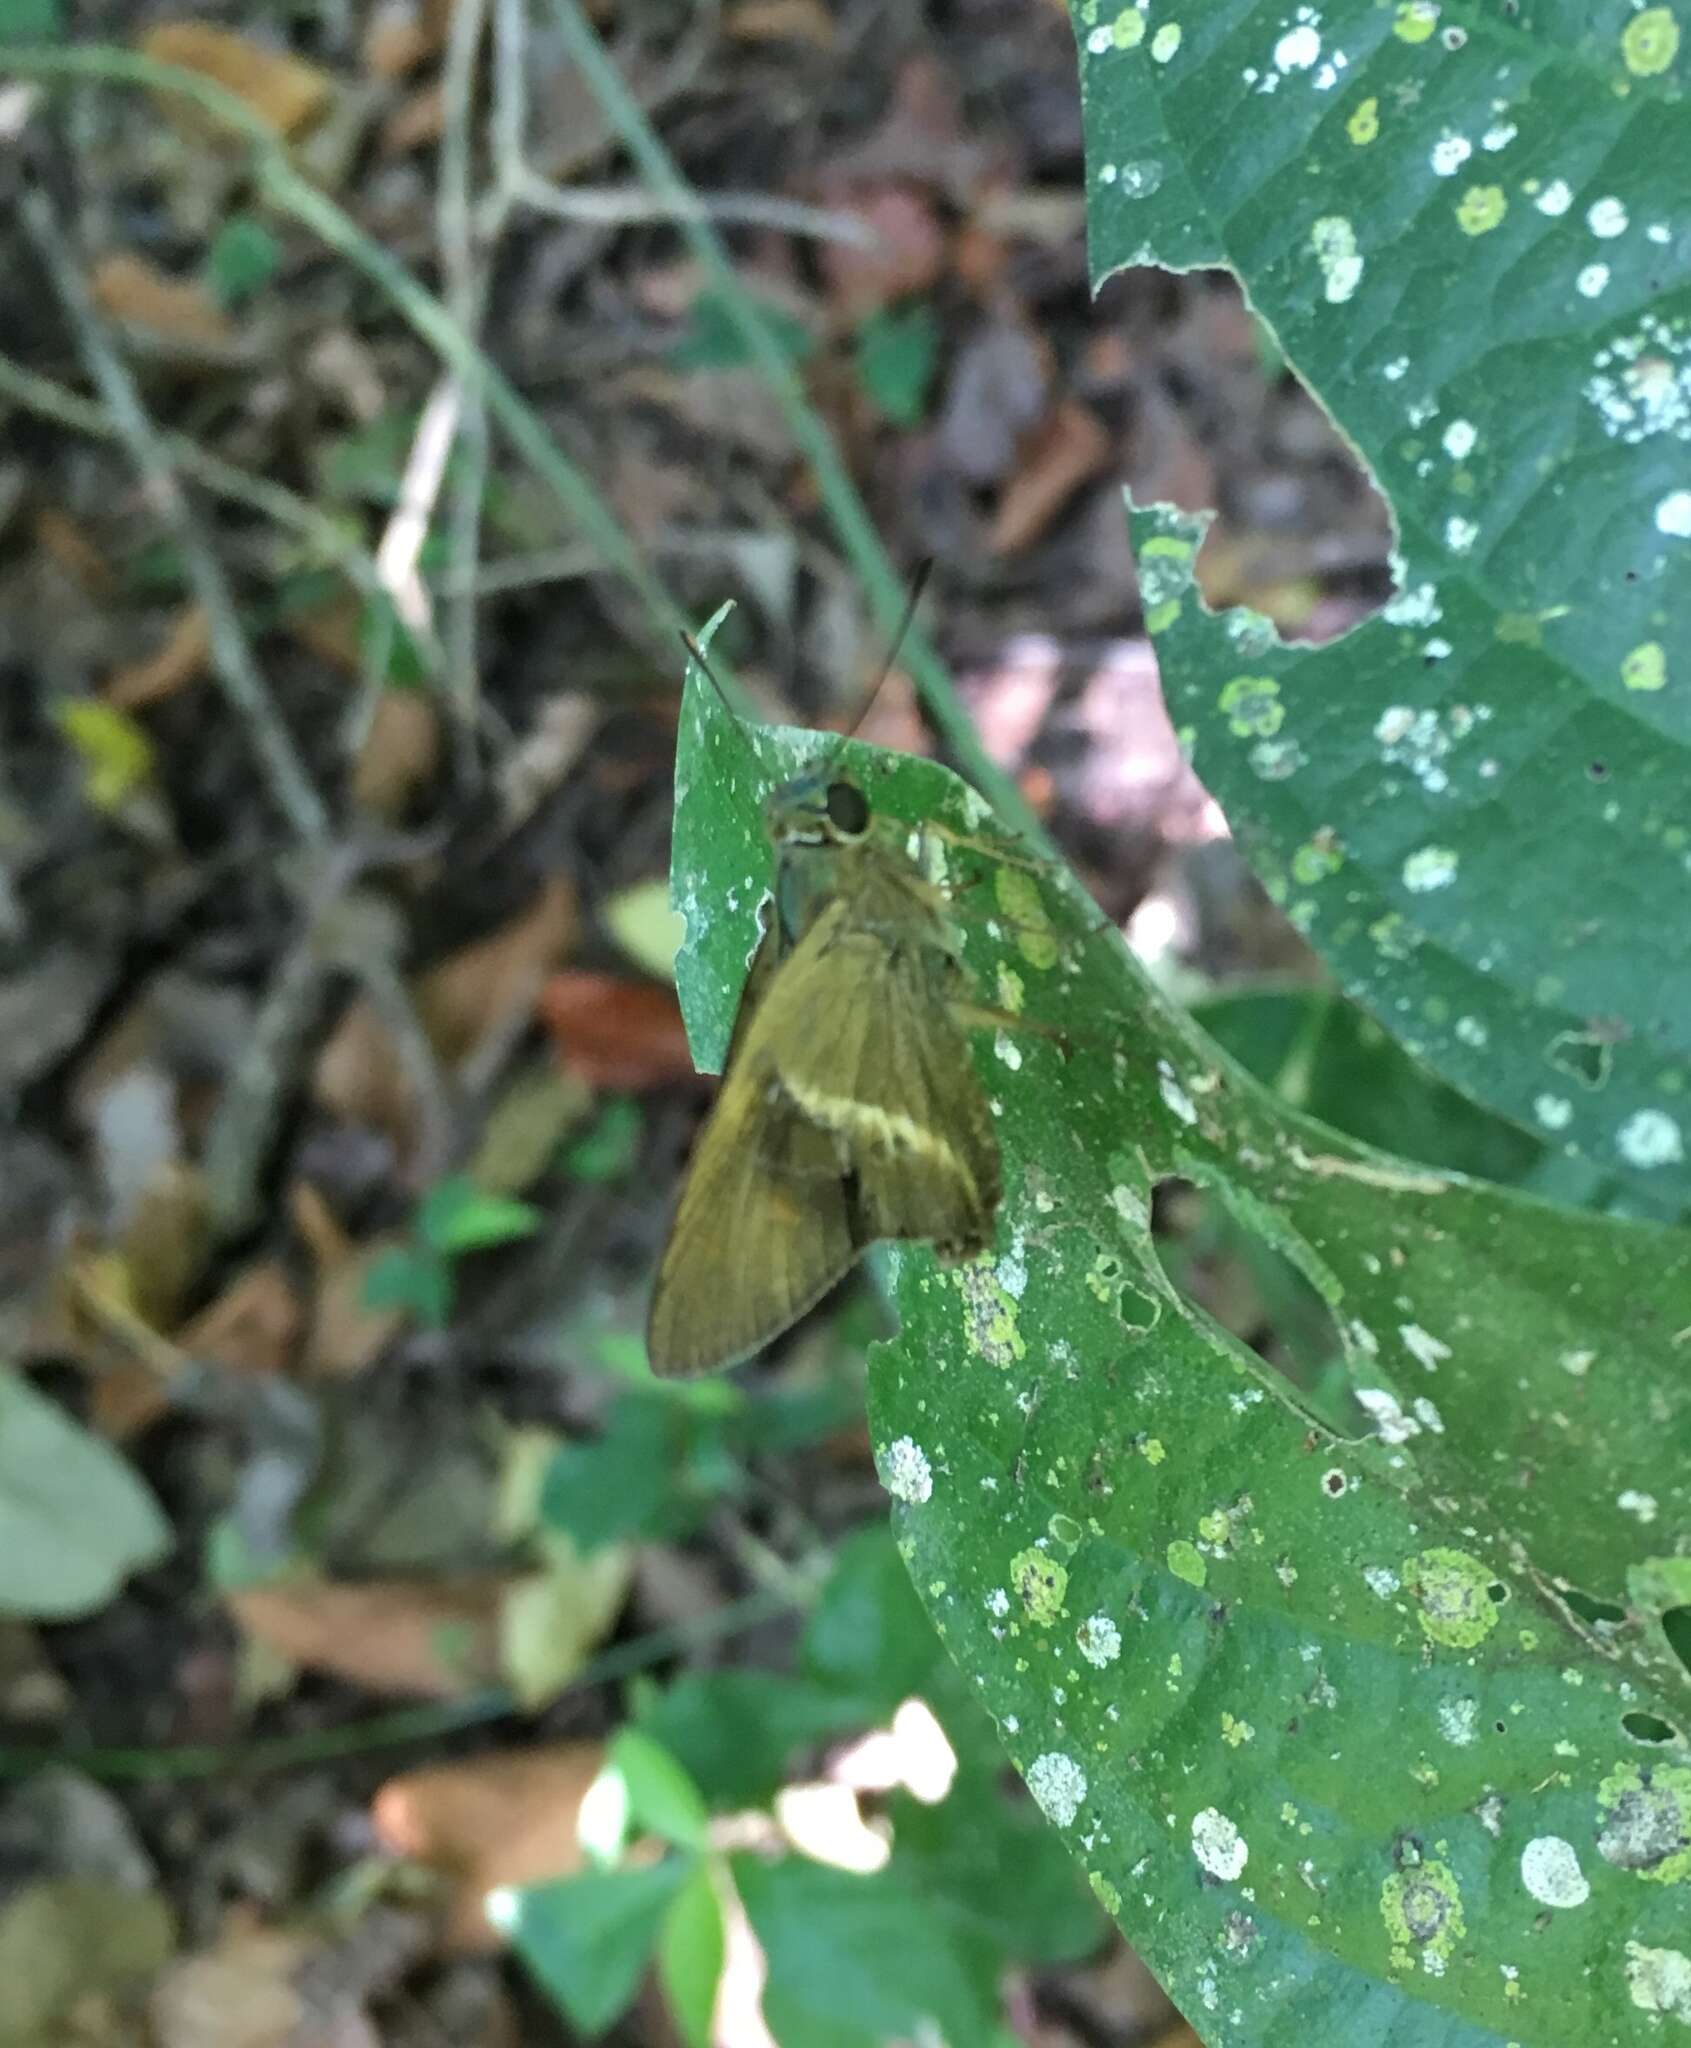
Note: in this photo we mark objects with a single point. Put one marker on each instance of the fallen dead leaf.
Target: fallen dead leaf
(68, 1943)
(254, 1324)
(534, 1113)
(781, 21)
(1069, 448)
(479, 990)
(346, 1334)
(490, 1821)
(908, 256)
(181, 658)
(403, 34)
(400, 754)
(438, 1637)
(418, 120)
(283, 90)
(614, 1033)
(136, 293)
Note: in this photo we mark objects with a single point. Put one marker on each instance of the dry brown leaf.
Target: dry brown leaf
(253, 1325)
(71, 545)
(781, 21)
(466, 998)
(615, 1033)
(283, 90)
(418, 120)
(330, 631)
(1071, 446)
(346, 1334)
(167, 1242)
(490, 1821)
(182, 658)
(136, 293)
(909, 254)
(535, 1111)
(358, 1076)
(400, 754)
(402, 34)
(436, 1637)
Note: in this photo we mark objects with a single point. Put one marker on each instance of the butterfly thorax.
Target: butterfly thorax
(830, 849)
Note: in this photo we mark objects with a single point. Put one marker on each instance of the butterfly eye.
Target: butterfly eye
(848, 810)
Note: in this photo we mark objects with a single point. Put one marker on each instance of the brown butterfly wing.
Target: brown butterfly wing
(885, 1066)
(763, 1228)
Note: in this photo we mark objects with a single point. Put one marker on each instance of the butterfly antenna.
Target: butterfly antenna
(918, 583)
(696, 654)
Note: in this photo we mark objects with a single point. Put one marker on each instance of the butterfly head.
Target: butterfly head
(822, 807)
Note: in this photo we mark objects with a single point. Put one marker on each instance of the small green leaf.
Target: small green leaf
(619, 1484)
(457, 1216)
(75, 1521)
(388, 645)
(414, 1278)
(867, 1635)
(662, 1798)
(897, 353)
(690, 1956)
(610, 1144)
(714, 342)
(646, 929)
(588, 1939)
(243, 258)
(856, 1961)
(735, 1731)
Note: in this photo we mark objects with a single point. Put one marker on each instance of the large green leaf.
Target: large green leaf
(1469, 231)
(1331, 1743)
(75, 1520)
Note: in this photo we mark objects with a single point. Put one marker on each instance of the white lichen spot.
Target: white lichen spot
(1556, 198)
(1551, 1873)
(1428, 868)
(1592, 281)
(1008, 1051)
(1099, 1640)
(1381, 1581)
(1297, 49)
(1577, 1363)
(1449, 154)
(1423, 1346)
(1649, 1138)
(1606, 218)
(1058, 1785)
(1471, 1031)
(998, 1602)
(1414, 607)
(1555, 1112)
(1427, 1415)
(1392, 1425)
(1459, 1721)
(1333, 241)
(1459, 439)
(1460, 534)
(1658, 1980)
(1643, 1507)
(1139, 180)
(1499, 135)
(1174, 1095)
(906, 1473)
(1165, 42)
(1673, 515)
(1218, 1844)
(1396, 370)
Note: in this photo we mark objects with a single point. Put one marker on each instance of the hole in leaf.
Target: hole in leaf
(1254, 1290)
(1591, 1609)
(1598, 771)
(1676, 1626)
(1648, 1728)
(1584, 1056)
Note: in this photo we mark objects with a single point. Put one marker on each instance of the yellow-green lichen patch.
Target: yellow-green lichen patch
(1452, 1594)
(1040, 1584)
(1165, 42)
(1127, 31)
(1422, 1909)
(1105, 1893)
(1646, 667)
(1235, 1732)
(1364, 124)
(1317, 858)
(1644, 1821)
(1012, 990)
(1252, 707)
(1650, 42)
(1019, 899)
(1481, 209)
(1161, 616)
(1415, 20)
(1186, 1562)
(990, 1314)
(1332, 242)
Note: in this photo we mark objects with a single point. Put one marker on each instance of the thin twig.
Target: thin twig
(627, 205)
(328, 538)
(881, 581)
(232, 660)
(465, 283)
